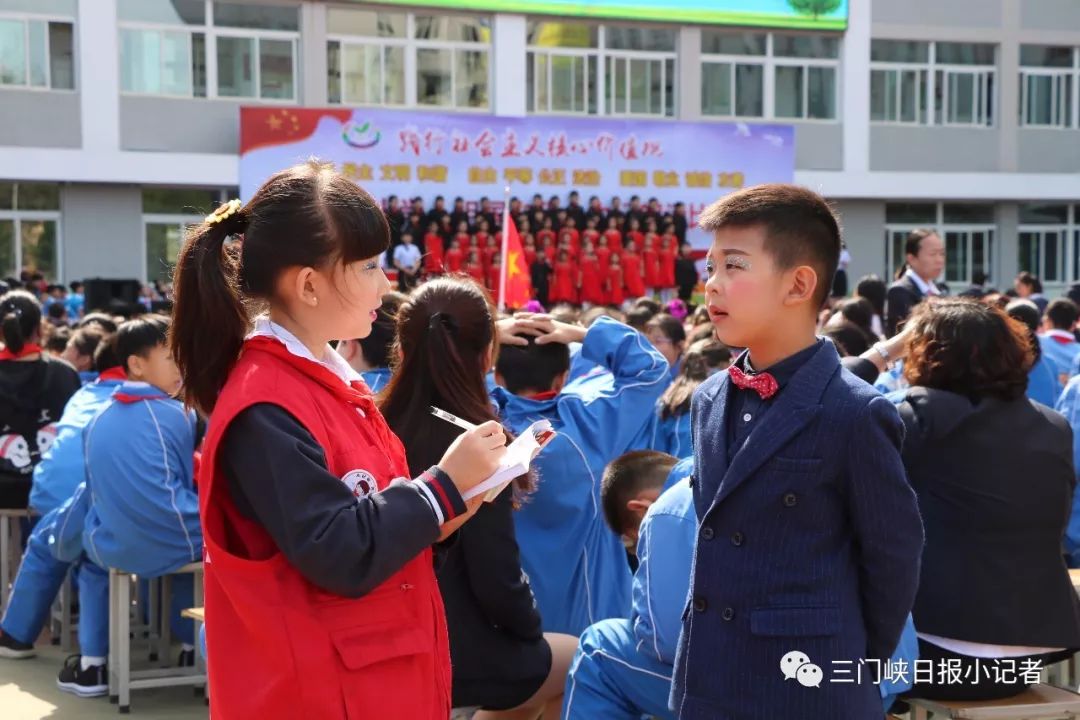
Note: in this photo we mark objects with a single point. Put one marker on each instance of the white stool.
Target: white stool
(10, 550)
(122, 680)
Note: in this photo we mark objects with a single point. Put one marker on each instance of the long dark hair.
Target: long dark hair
(307, 216)
(444, 333)
(20, 315)
(703, 357)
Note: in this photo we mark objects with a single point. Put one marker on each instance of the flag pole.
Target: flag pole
(505, 247)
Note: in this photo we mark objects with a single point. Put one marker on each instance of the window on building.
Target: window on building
(966, 229)
(37, 44)
(737, 70)
(29, 229)
(943, 83)
(1049, 242)
(167, 215)
(202, 48)
(368, 53)
(1049, 86)
(575, 68)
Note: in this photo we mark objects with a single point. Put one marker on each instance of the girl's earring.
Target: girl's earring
(315, 302)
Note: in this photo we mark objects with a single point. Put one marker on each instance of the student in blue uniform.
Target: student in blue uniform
(672, 430)
(1069, 406)
(1044, 384)
(143, 515)
(810, 535)
(1059, 345)
(576, 565)
(56, 477)
(372, 356)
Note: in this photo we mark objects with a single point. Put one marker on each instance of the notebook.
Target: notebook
(519, 455)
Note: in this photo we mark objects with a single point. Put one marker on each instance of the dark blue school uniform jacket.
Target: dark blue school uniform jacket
(809, 542)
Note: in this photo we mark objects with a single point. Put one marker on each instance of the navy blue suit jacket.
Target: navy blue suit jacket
(809, 541)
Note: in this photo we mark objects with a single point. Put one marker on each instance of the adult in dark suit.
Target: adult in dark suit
(924, 260)
(993, 473)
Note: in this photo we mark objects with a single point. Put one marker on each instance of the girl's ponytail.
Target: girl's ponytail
(20, 318)
(210, 319)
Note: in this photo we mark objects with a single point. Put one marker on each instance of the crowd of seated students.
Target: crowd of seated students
(581, 255)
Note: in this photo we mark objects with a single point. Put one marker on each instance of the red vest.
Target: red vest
(282, 647)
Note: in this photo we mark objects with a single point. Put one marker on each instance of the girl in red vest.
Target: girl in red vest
(433, 251)
(455, 257)
(565, 289)
(615, 293)
(592, 285)
(321, 600)
(633, 274)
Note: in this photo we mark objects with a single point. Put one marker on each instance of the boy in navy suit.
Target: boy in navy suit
(807, 554)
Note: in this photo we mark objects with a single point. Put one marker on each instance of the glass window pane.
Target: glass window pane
(806, 46)
(236, 67)
(616, 82)
(167, 12)
(394, 75)
(1046, 56)
(61, 56)
(1028, 259)
(639, 86)
(899, 51)
(457, 28)
(7, 249)
(668, 98)
(956, 256)
(912, 95)
(38, 241)
(749, 91)
(639, 38)
(716, 89)
(176, 63)
(1038, 214)
(593, 74)
(563, 81)
(913, 214)
(12, 52)
(537, 92)
(276, 69)
(560, 34)
(789, 92)
(258, 17)
(882, 96)
(140, 53)
(7, 196)
(964, 53)
(961, 97)
(471, 78)
(368, 23)
(333, 72)
(433, 77)
(721, 43)
(37, 196)
(49, 7)
(1052, 257)
(821, 93)
(1040, 91)
(180, 201)
(198, 63)
(39, 57)
(980, 250)
(968, 213)
(163, 243)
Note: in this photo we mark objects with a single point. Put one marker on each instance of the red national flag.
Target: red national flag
(515, 286)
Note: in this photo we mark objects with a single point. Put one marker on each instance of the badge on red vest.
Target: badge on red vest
(361, 483)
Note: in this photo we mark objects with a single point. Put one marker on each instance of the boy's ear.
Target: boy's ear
(804, 282)
(136, 367)
(560, 381)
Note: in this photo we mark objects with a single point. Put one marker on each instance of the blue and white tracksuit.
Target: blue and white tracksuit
(42, 570)
(576, 565)
(376, 379)
(1069, 406)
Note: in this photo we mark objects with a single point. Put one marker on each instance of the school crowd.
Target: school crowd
(739, 506)
(581, 255)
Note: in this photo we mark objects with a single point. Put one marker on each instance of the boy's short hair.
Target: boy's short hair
(140, 336)
(58, 339)
(647, 302)
(532, 366)
(86, 340)
(669, 325)
(627, 476)
(1062, 314)
(105, 356)
(638, 317)
(57, 311)
(800, 227)
(100, 319)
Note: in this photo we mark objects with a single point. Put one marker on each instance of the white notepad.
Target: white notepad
(519, 455)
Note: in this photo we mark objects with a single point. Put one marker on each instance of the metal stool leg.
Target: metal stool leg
(124, 654)
(165, 633)
(114, 633)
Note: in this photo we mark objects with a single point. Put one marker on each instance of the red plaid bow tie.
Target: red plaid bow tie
(763, 383)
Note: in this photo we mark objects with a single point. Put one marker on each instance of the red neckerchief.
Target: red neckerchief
(113, 373)
(541, 396)
(1063, 337)
(27, 349)
(130, 398)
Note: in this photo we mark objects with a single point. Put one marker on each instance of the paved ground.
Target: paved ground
(28, 692)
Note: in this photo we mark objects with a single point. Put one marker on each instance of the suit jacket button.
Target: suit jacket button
(728, 614)
(707, 533)
(790, 500)
(737, 539)
(700, 604)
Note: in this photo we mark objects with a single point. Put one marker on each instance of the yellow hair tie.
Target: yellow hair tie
(222, 213)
